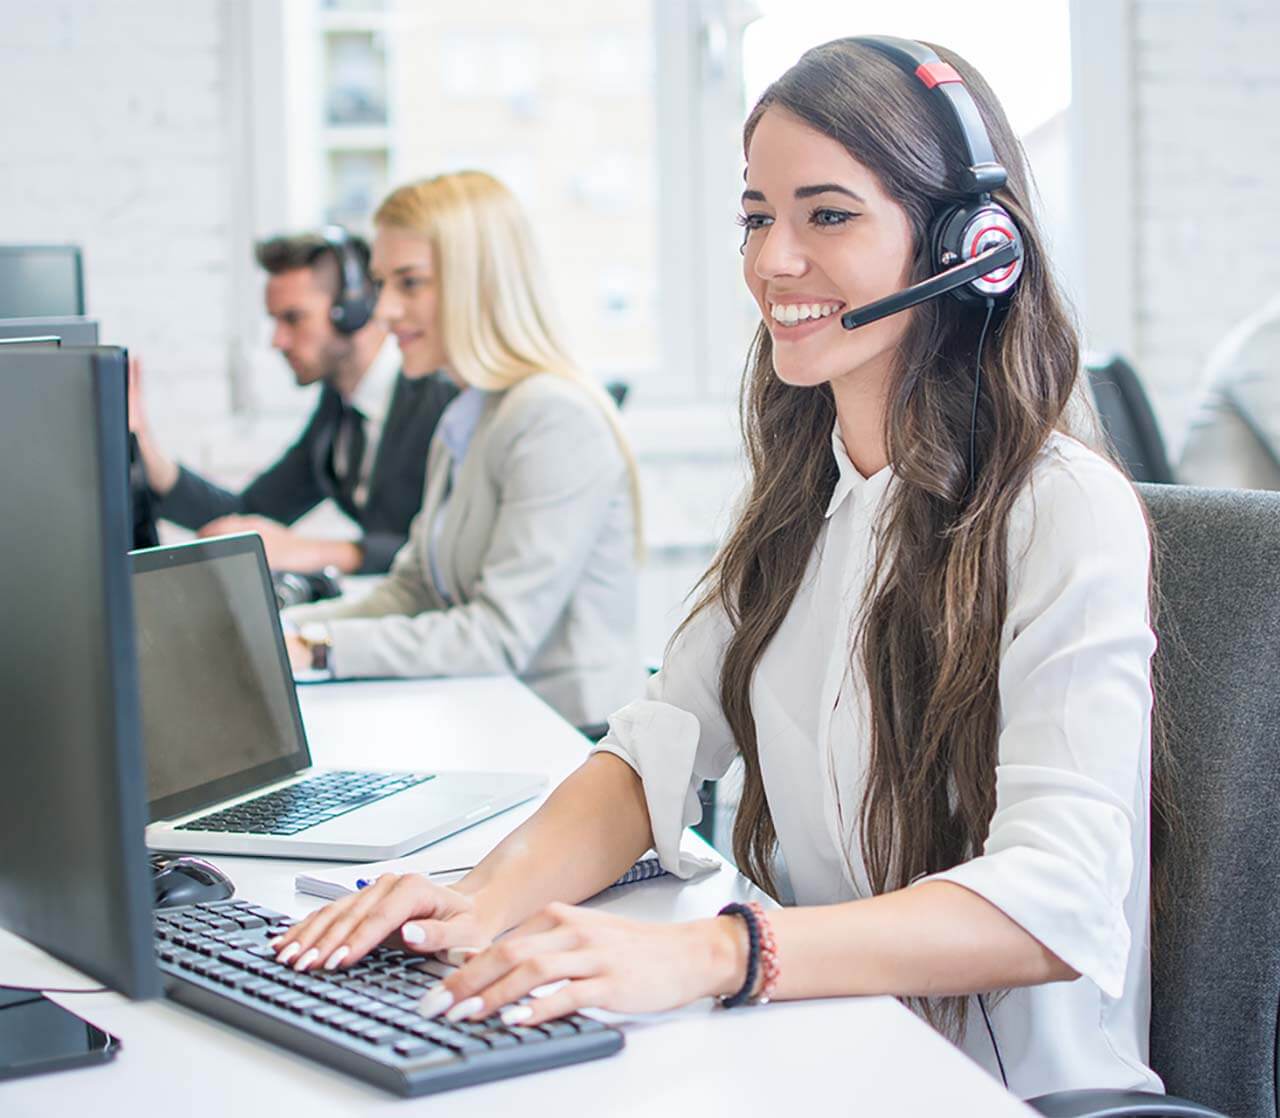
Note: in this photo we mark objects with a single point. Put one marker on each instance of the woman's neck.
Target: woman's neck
(861, 405)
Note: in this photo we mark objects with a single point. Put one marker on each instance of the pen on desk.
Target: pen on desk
(364, 883)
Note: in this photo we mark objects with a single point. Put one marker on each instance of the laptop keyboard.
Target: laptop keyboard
(295, 807)
(362, 1019)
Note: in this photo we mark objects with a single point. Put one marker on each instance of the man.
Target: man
(1234, 437)
(365, 445)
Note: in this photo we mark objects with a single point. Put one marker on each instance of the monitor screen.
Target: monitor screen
(40, 280)
(219, 710)
(74, 876)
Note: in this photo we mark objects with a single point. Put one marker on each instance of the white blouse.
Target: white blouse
(1068, 849)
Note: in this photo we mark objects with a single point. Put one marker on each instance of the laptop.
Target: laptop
(228, 766)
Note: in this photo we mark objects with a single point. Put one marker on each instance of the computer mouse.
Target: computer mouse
(190, 881)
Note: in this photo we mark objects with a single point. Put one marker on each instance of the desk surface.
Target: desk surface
(863, 1055)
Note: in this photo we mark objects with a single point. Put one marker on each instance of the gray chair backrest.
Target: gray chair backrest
(1216, 950)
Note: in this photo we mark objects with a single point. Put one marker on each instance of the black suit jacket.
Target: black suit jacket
(301, 478)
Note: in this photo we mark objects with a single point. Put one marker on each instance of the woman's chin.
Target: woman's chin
(799, 376)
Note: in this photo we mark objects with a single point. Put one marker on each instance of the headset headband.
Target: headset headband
(984, 173)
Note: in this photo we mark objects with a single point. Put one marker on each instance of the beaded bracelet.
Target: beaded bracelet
(768, 956)
(762, 956)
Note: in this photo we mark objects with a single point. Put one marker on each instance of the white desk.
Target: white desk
(867, 1056)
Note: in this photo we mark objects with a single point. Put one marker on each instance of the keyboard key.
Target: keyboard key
(380, 1034)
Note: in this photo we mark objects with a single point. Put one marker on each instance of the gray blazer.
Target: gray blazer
(537, 550)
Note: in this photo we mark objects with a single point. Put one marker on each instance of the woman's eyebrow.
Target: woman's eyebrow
(829, 188)
(809, 192)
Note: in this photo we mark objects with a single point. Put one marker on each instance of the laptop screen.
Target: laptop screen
(219, 710)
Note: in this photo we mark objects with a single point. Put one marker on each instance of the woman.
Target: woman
(926, 639)
(522, 559)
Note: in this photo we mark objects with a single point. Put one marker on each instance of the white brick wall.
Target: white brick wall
(1207, 182)
(115, 137)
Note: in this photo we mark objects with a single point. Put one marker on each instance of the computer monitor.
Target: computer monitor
(74, 874)
(40, 280)
(68, 331)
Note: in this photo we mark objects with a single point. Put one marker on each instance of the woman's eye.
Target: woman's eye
(830, 217)
(754, 221)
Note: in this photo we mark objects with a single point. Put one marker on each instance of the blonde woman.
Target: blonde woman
(523, 558)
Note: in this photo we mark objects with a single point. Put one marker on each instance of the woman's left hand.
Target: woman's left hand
(609, 962)
(298, 650)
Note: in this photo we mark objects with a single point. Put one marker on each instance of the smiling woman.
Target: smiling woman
(926, 639)
(523, 558)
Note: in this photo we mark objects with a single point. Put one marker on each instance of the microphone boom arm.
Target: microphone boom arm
(986, 262)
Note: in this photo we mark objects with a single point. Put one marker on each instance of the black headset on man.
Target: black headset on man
(353, 306)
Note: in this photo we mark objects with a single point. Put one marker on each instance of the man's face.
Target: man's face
(304, 334)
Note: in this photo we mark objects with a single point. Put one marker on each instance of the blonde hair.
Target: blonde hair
(496, 326)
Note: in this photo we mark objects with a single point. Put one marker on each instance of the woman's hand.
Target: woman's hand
(405, 909)
(299, 652)
(609, 963)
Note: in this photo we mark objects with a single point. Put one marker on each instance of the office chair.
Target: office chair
(1127, 419)
(1215, 981)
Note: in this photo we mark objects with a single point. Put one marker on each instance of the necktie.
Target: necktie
(348, 452)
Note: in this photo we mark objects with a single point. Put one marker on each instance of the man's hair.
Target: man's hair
(292, 251)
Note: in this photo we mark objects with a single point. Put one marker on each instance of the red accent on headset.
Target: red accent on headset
(935, 73)
(1005, 272)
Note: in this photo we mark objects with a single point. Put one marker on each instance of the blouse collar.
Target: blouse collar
(870, 489)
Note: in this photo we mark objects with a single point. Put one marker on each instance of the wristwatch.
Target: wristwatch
(315, 635)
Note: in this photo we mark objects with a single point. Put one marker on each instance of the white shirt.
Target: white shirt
(1067, 853)
(372, 399)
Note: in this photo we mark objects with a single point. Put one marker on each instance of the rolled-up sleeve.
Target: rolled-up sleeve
(677, 736)
(1073, 764)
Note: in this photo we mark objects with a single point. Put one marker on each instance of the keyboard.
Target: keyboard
(363, 1019)
(295, 807)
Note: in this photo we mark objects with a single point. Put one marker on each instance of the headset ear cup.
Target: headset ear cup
(962, 232)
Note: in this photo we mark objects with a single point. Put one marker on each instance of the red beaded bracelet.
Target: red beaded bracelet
(769, 968)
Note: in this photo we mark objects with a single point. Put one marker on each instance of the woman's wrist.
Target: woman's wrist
(726, 947)
(488, 912)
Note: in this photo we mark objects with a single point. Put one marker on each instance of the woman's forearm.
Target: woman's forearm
(588, 833)
(929, 940)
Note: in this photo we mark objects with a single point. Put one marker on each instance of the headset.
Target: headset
(975, 245)
(354, 305)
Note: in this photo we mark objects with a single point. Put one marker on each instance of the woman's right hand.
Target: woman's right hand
(406, 909)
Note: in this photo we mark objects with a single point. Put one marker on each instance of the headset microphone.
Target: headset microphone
(1001, 256)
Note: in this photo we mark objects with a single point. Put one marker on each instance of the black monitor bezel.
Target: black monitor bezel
(75, 253)
(130, 964)
(205, 795)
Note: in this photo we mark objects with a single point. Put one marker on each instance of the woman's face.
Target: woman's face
(822, 237)
(409, 302)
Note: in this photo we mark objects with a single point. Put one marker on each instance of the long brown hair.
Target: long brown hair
(930, 628)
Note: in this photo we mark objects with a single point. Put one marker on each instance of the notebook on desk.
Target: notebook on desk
(228, 764)
(333, 884)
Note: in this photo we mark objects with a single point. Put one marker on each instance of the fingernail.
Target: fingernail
(516, 1014)
(464, 1009)
(331, 963)
(456, 956)
(275, 941)
(412, 933)
(435, 1002)
(289, 952)
(307, 959)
